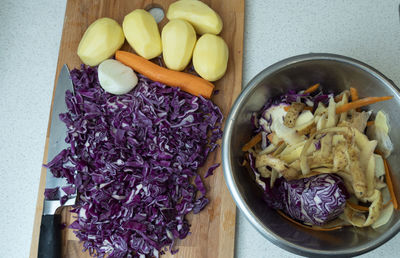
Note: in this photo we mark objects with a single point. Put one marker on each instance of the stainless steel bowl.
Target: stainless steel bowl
(335, 73)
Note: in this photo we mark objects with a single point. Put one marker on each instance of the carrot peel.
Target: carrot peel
(338, 98)
(253, 141)
(312, 88)
(316, 228)
(370, 123)
(270, 136)
(361, 103)
(353, 94)
(358, 207)
(389, 183)
(185, 81)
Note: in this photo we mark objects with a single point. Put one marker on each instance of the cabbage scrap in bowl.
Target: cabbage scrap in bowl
(321, 161)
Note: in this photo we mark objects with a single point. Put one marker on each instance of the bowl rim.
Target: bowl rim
(226, 145)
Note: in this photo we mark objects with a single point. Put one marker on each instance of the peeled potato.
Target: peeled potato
(100, 41)
(141, 32)
(178, 40)
(210, 57)
(201, 16)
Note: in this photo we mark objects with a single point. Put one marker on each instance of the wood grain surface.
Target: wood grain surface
(213, 229)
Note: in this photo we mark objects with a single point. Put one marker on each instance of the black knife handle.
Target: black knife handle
(50, 237)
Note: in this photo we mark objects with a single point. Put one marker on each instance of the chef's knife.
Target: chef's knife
(50, 228)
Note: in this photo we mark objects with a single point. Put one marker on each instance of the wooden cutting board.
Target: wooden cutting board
(213, 229)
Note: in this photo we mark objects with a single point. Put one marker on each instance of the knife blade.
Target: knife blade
(50, 228)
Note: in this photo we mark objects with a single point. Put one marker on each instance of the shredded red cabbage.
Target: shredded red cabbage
(51, 193)
(132, 158)
(211, 169)
(63, 199)
(69, 190)
(317, 145)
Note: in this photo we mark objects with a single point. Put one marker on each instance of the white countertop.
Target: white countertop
(275, 29)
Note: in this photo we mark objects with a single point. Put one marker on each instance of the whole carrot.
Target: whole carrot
(187, 82)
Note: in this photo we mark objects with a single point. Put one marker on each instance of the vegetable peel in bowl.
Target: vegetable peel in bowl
(313, 156)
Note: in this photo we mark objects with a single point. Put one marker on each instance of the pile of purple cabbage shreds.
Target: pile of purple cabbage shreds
(132, 159)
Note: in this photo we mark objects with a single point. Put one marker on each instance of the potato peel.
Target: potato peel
(358, 219)
(385, 216)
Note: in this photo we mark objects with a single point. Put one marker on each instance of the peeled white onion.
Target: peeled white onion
(116, 78)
